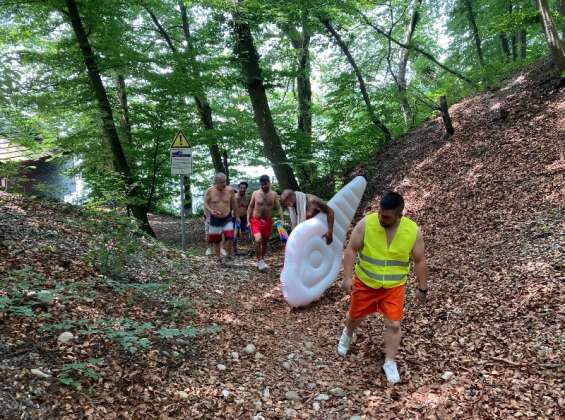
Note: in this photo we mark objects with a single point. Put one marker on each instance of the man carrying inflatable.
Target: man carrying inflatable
(385, 242)
(259, 215)
(305, 206)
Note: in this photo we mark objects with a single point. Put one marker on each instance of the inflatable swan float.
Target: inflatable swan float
(310, 265)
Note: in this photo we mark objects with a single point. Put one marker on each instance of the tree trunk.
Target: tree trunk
(370, 110)
(474, 29)
(187, 196)
(202, 105)
(157, 143)
(555, 45)
(514, 45)
(523, 38)
(504, 45)
(445, 115)
(226, 165)
(561, 8)
(125, 125)
(252, 77)
(513, 36)
(403, 64)
(204, 109)
(300, 41)
(109, 129)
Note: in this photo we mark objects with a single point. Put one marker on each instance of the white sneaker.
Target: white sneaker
(208, 251)
(344, 343)
(265, 265)
(391, 372)
(223, 252)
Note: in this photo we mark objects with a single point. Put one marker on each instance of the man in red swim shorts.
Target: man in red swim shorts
(260, 220)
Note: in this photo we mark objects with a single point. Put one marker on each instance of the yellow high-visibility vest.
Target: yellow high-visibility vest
(381, 265)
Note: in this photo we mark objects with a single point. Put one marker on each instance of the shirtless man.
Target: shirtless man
(219, 202)
(314, 205)
(242, 203)
(259, 216)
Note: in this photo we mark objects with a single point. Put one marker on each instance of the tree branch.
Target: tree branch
(161, 29)
(416, 48)
(378, 123)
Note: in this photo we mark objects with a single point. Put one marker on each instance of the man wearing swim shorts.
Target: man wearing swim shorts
(260, 220)
(219, 203)
(385, 242)
(242, 203)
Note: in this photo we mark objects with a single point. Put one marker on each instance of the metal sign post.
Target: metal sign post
(181, 164)
(183, 227)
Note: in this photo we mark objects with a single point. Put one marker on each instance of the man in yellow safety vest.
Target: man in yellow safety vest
(385, 243)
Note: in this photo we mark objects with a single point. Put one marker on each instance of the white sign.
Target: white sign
(181, 161)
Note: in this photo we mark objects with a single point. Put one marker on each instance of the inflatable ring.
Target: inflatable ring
(310, 265)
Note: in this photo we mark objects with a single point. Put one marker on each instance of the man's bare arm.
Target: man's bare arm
(233, 205)
(324, 208)
(420, 263)
(354, 245)
(279, 208)
(251, 207)
(207, 199)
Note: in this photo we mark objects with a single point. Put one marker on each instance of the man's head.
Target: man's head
(220, 181)
(265, 182)
(288, 198)
(391, 207)
(243, 187)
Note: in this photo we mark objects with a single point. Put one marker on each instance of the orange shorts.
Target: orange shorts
(365, 300)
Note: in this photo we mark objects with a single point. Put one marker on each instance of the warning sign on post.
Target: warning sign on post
(181, 155)
(180, 141)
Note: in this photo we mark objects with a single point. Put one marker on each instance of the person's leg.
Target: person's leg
(392, 308)
(392, 342)
(228, 236)
(266, 229)
(258, 246)
(391, 338)
(263, 247)
(346, 338)
(236, 233)
(363, 303)
(206, 234)
(352, 324)
(217, 250)
(215, 239)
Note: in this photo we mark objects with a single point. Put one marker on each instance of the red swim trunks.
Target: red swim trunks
(262, 226)
(365, 300)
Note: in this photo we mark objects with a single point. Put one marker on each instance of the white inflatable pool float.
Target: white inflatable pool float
(310, 265)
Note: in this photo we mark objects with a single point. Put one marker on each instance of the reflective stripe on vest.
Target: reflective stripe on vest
(381, 264)
(384, 263)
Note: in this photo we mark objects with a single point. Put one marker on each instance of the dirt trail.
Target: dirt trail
(490, 201)
(488, 344)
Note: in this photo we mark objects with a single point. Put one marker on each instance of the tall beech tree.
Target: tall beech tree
(136, 200)
(248, 58)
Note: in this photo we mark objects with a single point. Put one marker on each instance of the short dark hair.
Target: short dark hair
(244, 183)
(264, 178)
(392, 201)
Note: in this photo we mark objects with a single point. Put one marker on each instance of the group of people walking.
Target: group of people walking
(376, 262)
(230, 214)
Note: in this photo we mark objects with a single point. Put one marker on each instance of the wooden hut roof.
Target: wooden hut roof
(12, 152)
